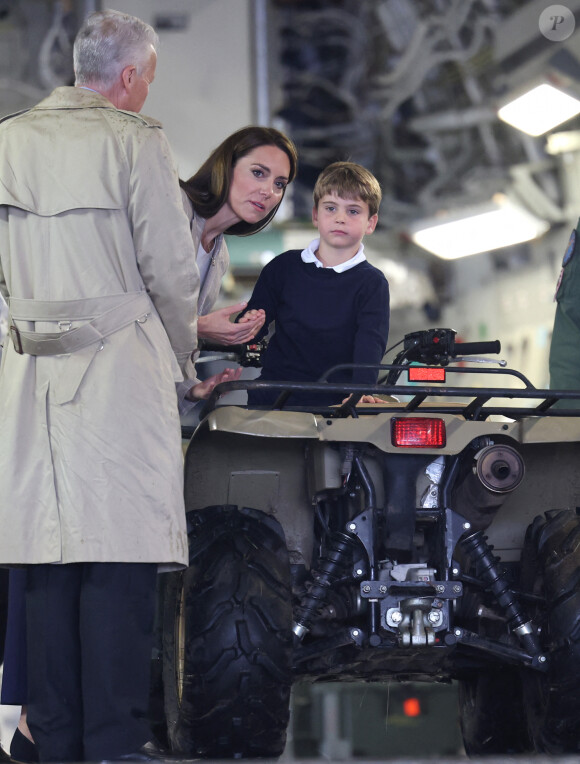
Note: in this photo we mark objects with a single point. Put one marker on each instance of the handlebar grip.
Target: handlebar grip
(213, 347)
(476, 348)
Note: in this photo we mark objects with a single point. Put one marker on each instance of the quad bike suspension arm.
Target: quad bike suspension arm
(336, 558)
(342, 638)
(481, 553)
(505, 652)
(330, 567)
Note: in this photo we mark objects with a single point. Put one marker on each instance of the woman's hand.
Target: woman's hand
(216, 326)
(204, 389)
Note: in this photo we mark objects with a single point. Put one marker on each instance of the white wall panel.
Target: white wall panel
(203, 89)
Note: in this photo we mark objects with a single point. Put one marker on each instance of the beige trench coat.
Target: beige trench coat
(90, 447)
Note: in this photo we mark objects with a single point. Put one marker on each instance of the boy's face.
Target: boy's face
(342, 223)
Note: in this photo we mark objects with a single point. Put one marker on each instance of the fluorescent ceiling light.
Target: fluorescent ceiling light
(540, 109)
(564, 142)
(499, 223)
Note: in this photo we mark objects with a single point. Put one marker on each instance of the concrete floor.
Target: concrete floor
(9, 719)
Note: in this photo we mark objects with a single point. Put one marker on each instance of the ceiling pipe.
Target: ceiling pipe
(261, 63)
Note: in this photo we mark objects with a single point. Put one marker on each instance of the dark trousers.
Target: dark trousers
(90, 633)
(14, 680)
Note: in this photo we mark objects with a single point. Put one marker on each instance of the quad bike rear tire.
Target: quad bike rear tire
(228, 639)
(491, 713)
(551, 569)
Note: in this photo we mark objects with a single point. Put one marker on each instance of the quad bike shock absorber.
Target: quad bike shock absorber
(481, 553)
(333, 562)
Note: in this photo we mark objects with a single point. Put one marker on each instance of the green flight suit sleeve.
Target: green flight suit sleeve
(564, 361)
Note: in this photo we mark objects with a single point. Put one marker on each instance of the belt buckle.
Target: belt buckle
(16, 340)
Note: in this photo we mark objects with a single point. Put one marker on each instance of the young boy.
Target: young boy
(330, 306)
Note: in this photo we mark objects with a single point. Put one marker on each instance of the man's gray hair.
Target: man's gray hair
(109, 41)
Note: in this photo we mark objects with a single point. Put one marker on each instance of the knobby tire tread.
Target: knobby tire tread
(551, 566)
(238, 653)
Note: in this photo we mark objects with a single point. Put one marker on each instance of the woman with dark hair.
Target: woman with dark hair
(209, 189)
(237, 191)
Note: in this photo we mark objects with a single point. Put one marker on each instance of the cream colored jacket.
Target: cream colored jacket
(209, 289)
(90, 447)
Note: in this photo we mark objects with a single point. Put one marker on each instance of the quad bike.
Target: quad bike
(432, 537)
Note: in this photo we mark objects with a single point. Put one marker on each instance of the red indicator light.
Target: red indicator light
(426, 374)
(412, 707)
(415, 432)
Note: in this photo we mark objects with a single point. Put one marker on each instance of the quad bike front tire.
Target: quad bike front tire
(491, 714)
(228, 639)
(551, 569)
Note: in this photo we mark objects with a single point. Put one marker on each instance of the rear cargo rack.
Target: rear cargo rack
(473, 403)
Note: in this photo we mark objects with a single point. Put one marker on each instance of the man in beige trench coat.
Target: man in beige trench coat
(98, 267)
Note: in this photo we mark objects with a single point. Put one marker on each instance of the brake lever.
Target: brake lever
(471, 359)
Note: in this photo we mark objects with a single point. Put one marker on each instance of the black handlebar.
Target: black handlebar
(436, 347)
(430, 346)
(476, 348)
(247, 354)
(214, 347)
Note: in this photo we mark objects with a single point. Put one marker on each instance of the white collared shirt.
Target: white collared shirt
(308, 255)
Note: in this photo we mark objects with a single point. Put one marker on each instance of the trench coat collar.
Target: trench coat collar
(69, 97)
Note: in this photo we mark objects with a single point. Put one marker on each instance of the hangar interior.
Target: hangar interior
(410, 89)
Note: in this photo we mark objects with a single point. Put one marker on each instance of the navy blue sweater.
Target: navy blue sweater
(323, 318)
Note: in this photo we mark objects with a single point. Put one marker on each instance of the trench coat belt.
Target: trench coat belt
(104, 315)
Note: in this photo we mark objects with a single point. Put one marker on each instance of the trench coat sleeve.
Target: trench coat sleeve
(160, 226)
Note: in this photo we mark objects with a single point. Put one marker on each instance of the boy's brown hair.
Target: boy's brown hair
(349, 181)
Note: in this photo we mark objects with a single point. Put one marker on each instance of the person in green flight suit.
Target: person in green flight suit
(564, 361)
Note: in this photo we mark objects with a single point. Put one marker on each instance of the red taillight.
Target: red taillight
(418, 432)
(412, 707)
(426, 374)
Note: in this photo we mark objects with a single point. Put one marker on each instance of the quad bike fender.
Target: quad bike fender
(278, 461)
(375, 429)
(279, 476)
(552, 479)
(261, 473)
